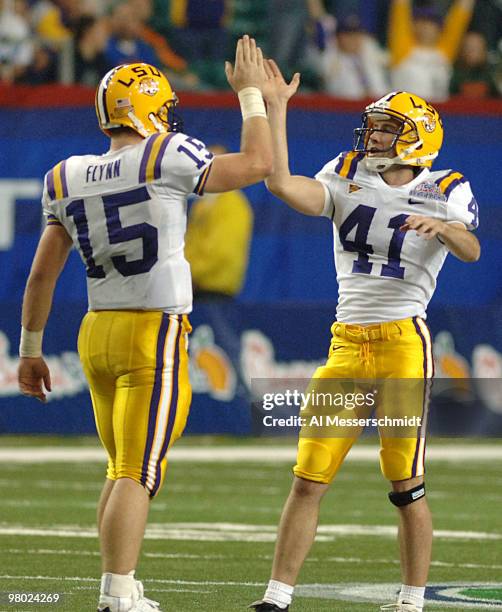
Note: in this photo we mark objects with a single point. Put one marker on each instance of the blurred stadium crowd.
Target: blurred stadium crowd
(352, 49)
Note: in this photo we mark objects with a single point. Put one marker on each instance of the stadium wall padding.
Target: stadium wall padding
(290, 293)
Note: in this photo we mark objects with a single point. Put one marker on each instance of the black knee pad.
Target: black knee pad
(404, 498)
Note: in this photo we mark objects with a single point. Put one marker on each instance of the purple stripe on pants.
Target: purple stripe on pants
(157, 388)
(172, 412)
(424, 400)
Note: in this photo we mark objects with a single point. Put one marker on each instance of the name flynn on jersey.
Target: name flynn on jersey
(98, 172)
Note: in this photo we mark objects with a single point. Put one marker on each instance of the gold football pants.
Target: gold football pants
(393, 354)
(136, 364)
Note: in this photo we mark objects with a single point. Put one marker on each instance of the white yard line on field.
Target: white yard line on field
(150, 580)
(342, 560)
(234, 532)
(258, 454)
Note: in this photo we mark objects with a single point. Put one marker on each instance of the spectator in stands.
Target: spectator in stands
(487, 19)
(91, 39)
(175, 67)
(295, 33)
(16, 47)
(422, 49)
(24, 58)
(473, 76)
(287, 37)
(201, 36)
(55, 21)
(353, 65)
(49, 25)
(372, 14)
(43, 68)
(217, 242)
(96, 8)
(161, 18)
(125, 45)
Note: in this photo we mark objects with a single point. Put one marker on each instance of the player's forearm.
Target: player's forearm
(277, 113)
(37, 301)
(304, 194)
(461, 243)
(49, 260)
(251, 165)
(256, 145)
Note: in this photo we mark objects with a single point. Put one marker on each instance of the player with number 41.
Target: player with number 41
(394, 222)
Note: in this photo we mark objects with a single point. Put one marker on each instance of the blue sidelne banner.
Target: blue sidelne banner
(279, 327)
(234, 344)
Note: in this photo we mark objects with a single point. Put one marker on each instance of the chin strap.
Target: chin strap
(138, 124)
(159, 126)
(380, 164)
(140, 128)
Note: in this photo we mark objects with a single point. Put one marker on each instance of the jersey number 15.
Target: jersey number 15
(117, 233)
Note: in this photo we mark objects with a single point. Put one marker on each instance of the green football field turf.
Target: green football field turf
(211, 533)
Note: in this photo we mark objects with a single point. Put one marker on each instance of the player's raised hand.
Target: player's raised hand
(33, 375)
(275, 88)
(248, 69)
(426, 227)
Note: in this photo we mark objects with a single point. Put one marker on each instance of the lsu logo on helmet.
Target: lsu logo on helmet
(418, 139)
(137, 96)
(148, 86)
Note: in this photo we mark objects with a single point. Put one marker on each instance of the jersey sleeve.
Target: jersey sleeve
(461, 205)
(328, 177)
(178, 160)
(48, 195)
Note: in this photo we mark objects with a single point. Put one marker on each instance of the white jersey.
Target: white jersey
(384, 274)
(126, 214)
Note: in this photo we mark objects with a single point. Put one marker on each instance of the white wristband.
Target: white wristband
(252, 104)
(31, 343)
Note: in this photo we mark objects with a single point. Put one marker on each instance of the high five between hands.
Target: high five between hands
(251, 69)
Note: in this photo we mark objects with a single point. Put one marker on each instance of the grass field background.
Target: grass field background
(212, 528)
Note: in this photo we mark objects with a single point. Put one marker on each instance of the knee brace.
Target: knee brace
(404, 498)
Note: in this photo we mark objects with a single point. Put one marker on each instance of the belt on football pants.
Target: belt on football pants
(370, 333)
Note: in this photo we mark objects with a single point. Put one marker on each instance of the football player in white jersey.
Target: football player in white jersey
(394, 222)
(125, 212)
